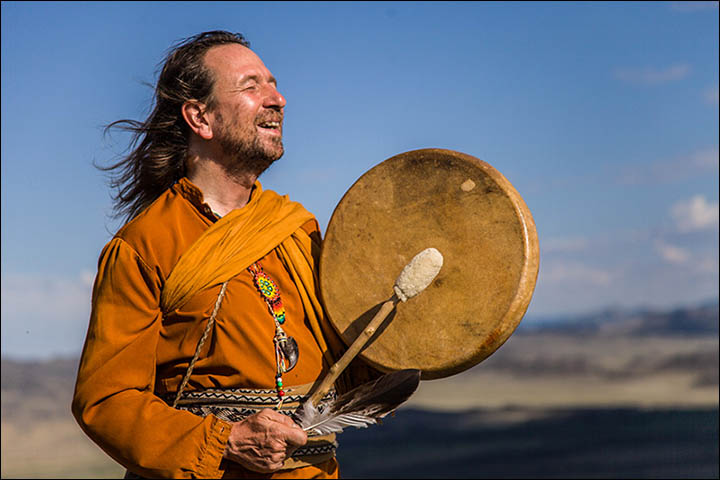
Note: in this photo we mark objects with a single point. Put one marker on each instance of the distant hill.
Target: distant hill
(700, 320)
(622, 395)
(38, 376)
(37, 390)
(612, 346)
(50, 377)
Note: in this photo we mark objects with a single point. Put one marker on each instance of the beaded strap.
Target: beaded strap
(285, 346)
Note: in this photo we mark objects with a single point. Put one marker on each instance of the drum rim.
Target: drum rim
(528, 274)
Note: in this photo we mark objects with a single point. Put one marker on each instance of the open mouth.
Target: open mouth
(270, 125)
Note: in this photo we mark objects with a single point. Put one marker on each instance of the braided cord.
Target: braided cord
(201, 343)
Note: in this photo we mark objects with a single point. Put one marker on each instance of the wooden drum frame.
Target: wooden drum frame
(468, 211)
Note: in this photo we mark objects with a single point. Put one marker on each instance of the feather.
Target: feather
(361, 406)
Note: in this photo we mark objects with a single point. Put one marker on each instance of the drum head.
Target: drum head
(468, 211)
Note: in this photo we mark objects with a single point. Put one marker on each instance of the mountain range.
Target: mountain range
(690, 320)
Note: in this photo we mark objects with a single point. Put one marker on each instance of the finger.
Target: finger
(277, 447)
(289, 421)
(278, 458)
(267, 414)
(280, 418)
(274, 420)
(276, 466)
(296, 437)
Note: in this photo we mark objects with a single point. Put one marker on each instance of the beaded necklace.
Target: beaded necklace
(286, 350)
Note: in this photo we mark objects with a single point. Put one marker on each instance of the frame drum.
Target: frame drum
(468, 211)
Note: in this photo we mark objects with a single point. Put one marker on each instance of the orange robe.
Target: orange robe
(133, 353)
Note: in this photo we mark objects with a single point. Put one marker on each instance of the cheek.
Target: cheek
(236, 118)
(240, 113)
(245, 114)
(248, 106)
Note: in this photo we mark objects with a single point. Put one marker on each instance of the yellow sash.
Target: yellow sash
(245, 235)
(232, 244)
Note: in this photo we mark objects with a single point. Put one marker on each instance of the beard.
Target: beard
(247, 150)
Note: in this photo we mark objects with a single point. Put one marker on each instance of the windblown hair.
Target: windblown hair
(159, 144)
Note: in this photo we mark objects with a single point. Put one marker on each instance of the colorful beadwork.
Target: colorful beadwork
(267, 287)
(269, 290)
(271, 294)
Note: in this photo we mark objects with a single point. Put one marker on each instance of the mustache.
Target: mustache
(276, 117)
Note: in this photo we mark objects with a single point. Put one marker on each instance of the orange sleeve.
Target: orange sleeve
(114, 401)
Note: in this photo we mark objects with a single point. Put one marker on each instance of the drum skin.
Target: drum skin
(468, 211)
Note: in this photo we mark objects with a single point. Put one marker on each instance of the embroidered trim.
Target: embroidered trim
(236, 404)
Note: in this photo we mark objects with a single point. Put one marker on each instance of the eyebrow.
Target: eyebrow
(256, 77)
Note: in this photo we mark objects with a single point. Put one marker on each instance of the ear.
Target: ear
(196, 116)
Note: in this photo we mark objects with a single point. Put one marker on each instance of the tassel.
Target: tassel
(361, 406)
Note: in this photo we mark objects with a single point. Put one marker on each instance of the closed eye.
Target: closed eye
(253, 81)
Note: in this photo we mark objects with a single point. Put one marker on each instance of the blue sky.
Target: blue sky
(604, 116)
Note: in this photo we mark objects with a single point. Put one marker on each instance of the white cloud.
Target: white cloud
(671, 253)
(45, 294)
(695, 214)
(648, 265)
(44, 314)
(711, 95)
(672, 170)
(653, 76)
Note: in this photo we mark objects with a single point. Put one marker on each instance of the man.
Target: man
(206, 329)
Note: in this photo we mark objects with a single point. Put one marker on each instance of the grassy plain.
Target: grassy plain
(549, 370)
(530, 378)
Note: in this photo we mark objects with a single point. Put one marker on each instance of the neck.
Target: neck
(223, 190)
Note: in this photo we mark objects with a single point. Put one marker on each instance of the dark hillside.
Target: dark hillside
(608, 443)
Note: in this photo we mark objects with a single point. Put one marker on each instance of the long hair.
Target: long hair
(159, 144)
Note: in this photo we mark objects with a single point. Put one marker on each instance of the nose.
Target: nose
(273, 98)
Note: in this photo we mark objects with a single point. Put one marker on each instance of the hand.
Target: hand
(263, 441)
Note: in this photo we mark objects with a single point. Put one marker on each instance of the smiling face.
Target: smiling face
(246, 111)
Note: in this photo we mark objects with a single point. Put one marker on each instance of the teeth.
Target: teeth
(270, 124)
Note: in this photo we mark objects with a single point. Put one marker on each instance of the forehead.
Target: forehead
(232, 61)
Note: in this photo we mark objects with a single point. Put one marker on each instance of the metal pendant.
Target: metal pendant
(287, 348)
(290, 350)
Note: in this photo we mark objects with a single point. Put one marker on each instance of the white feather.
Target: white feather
(313, 421)
(360, 407)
